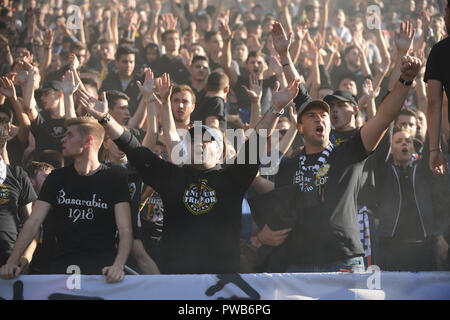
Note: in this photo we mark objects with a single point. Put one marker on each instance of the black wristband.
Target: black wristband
(406, 83)
(287, 64)
(105, 119)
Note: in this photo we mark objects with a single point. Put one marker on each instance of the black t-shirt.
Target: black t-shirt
(210, 106)
(244, 100)
(327, 230)
(151, 223)
(48, 132)
(175, 68)
(438, 66)
(202, 210)
(15, 150)
(83, 212)
(15, 192)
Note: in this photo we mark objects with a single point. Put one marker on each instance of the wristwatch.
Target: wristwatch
(105, 119)
(276, 112)
(406, 83)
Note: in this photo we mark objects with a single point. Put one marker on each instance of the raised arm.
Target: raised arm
(374, 130)
(168, 123)
(225, 59)
(149, 101)
(8, 90)
(254, 92)
(281, 43)
(403, 43)
(28, 90)
(69, 87)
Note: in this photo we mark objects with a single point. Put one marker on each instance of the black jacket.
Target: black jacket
(431, 194)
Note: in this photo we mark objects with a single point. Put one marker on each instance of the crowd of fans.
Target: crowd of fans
(223, 60)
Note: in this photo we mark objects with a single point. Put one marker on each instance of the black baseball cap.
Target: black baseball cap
(342, 95)
(313, 103)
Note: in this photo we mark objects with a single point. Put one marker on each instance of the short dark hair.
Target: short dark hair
(124, 50)
(167, 32)
(113, 95)
(406, 112)
(255, 54)
(199, 58)
(7, 111)
(183, 87)
(210, 34)
(90, 82)
(4, 132)
(33, 168)
(52, 157)
(217, 81)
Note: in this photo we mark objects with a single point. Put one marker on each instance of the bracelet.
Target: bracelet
(276, 112)
(105, 119)
(287, 64)
(406, 83)
(437, 149)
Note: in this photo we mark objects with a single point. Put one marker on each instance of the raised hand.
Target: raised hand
(146, 89)
(69, 84)
(98, 109)
(225, 31)
(165, 87)
(254, 44)
(281, 99)
(185, 57)
(410, 67)
(281, 42)
(255, 91)
(404, 39)
(7, 88)
(73, 61)
(48, 38)
(368, 89)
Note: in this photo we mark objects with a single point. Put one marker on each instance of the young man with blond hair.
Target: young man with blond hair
(87, 201)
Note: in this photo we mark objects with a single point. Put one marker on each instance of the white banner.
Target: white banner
(288, 286)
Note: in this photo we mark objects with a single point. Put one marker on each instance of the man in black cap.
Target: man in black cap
(47, 126)
(202, 200)
(344, 109)
(326, 237)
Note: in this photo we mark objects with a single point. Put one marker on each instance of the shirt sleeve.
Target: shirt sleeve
(27, 193)
(247, 163)
(154, 171)
(434, 69)
(49, 189)
(121, 192)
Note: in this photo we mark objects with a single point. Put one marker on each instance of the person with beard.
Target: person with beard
(437, 76)
(326, 236)
(202, 200)
(412, 210)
